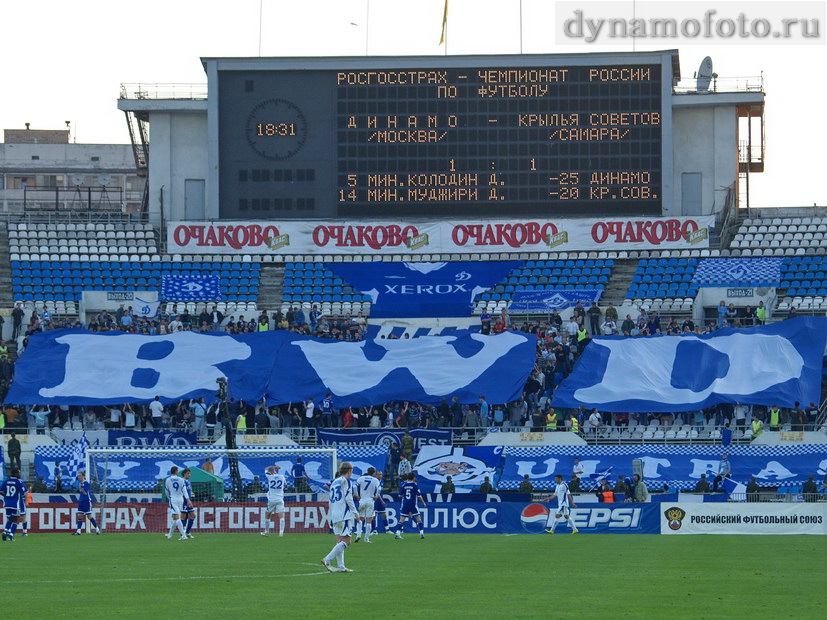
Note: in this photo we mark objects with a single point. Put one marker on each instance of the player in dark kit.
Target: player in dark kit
(14, 503)
(85, 501)
(409, 492)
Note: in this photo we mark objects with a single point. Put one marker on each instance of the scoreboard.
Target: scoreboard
(440, 139)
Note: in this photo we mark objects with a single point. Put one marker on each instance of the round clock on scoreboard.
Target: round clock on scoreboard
(276, 129)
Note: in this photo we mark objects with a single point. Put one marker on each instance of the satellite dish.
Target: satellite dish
(704, 75)
(77, 179)
(104, 180)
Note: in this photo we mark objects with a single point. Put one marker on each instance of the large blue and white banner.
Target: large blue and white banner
(68, 367)
(553, 299)
(400, 290)
(132, 471)
(680, 467)
(384, 437)
(468, 467)
(738, 271)
(773, 364)
(188, 286)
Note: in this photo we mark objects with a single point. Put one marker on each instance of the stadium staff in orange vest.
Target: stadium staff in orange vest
(605, 494)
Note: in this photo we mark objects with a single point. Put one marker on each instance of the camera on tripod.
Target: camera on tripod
(221, 394)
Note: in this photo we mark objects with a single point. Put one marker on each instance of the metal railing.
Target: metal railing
(149, 90)
(737, 84)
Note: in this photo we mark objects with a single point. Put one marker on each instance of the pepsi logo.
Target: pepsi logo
(534, 518)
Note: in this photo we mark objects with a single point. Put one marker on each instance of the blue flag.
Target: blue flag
(779, 363)
(77, 461)
(422, 289)
(83, 368)
(190, 287)
(548, 300)
(736, 491)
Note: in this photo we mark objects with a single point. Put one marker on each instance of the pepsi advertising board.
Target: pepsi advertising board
(594, 519)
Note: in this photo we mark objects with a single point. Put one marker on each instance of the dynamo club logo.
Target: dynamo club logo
(534, 518)
(462, 468)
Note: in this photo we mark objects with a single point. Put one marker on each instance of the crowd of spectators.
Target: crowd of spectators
(559, 344)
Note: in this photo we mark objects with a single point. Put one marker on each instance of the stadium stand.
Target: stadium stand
(663, 278)
(795, 235)
(312, 282)
(57, 262)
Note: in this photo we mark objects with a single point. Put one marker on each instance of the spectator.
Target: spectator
(17, 320)
(405, 467)
(702, 486)
(752, 490)
(129, 417)
(627, 326)
(208, 466)
(798, 419)
(216, 318)
(299, 476)
(595, 422)
(407, 443)
(574, 483)
(722, 314)
(39, 486)
(621, 486)
(604, 493)
(611, 313)
(594, 318)
(40, 413)
(748, 320)
(14, 450)
(810, 490)
(812, 416)
(156, 410)
(641, 492)
(262, 421)
(775, 418)
(757, 427)
(724, 470)
(526, 486)
(448, 485)
(485, 413)
(739, 412)
(486, 486)
(485, 321)
(760, 313)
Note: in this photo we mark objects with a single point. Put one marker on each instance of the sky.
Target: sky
(66, 61)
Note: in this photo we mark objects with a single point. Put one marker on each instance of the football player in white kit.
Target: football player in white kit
(275, 498)
(342, 512)
(176, 492)
(367, 489)
(564, 506)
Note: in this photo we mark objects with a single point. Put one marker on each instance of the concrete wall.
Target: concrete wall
(178, 151)
(705, 141)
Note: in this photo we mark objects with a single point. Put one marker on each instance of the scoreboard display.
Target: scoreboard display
(440, 140)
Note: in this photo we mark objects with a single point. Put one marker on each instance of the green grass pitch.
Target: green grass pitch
(481, 576)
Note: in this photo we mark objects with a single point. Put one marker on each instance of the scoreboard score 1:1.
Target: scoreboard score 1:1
(447, 141)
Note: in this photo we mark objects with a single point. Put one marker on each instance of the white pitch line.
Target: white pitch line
(189, 578)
